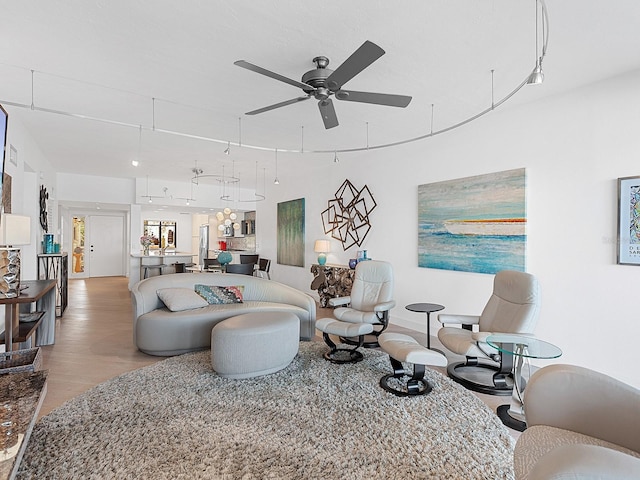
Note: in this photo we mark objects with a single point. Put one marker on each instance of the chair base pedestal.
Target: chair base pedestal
(503, 414)
(412, 386)
(343, 355)
(481, 378)
(370, 341)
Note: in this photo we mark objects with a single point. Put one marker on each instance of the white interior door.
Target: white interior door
(106, 246)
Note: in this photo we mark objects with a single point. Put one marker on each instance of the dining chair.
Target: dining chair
(241, 268)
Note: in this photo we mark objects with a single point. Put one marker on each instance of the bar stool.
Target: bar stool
(146, 268)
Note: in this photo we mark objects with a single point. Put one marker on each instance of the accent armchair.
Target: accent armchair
(512, 308)
(582, 425)
(364, 312)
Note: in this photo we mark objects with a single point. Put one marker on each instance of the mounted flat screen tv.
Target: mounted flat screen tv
(4, 117)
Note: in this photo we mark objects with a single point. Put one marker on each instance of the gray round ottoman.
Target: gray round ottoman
(254, 344)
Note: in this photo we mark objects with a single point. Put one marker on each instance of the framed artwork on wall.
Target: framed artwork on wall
(290, 223)
(474, 224)
(629, 221)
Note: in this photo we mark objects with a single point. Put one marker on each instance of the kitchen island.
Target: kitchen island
(156, 263)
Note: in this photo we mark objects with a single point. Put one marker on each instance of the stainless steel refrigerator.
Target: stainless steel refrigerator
(203, 245)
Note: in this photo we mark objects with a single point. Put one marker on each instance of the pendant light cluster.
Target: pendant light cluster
(227, 218)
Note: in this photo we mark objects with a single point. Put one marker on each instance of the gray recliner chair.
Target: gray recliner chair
(513, 308)
(581, 425)
(364, 312)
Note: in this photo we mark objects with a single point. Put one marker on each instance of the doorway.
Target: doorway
(77, 246)
(105, 235)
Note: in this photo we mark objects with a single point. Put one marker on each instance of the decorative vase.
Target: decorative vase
(352, 263)
(145, 249)
(224, 258)
(48, 243)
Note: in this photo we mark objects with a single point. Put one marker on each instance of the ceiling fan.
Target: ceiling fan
(322, 82)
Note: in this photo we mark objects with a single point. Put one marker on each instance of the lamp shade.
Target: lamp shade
(15, 230)
(322, 246)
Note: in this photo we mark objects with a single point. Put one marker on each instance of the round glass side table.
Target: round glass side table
(523, 348)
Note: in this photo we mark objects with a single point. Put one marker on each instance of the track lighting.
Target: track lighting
(537, 76)
(335, 157)
(136, 161)
(227, 150)
(276, 181)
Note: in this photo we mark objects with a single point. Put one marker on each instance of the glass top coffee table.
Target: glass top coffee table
(523, 348)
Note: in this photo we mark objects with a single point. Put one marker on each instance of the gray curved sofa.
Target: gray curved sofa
(159, 331)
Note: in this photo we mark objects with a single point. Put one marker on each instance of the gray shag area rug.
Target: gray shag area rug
(177, 419)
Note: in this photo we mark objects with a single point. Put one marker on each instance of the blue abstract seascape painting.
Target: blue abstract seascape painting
(474, 224)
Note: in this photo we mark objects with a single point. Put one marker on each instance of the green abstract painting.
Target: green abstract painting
(291, 233)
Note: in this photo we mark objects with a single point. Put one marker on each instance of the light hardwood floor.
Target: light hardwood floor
(94, 342)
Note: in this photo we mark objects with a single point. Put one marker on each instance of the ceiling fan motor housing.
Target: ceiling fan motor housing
(316, 78)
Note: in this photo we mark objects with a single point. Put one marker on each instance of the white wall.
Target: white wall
(574, 148)
(99, 190)
(33, 170)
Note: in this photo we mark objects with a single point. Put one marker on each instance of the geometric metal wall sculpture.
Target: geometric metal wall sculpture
(347, 215)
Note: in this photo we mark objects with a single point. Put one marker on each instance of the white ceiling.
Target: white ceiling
(109, 58)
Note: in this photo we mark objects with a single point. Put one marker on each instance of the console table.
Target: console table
(331, 281)
(523, 348)
(40, 292)
(55, 266)
(21, 396)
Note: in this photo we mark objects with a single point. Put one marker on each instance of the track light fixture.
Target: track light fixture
(335, 157)
(136, 161)
(227, 150)
(537, 76)
(276, 181)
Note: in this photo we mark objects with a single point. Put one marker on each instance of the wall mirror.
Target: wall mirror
(162, 231)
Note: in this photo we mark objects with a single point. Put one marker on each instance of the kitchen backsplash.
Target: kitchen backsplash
(242, 243)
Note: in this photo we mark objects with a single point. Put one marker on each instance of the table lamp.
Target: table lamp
(322, 247)
(14, 230)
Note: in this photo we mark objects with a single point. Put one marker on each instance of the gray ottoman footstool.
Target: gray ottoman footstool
(254, 344)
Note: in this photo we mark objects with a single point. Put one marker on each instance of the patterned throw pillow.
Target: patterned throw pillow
(179, 299)
(217, 295)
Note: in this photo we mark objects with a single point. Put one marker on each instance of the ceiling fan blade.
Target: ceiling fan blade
(376, 98)
(276, 76)
(277, 105)
(328, 113)
(364, 56)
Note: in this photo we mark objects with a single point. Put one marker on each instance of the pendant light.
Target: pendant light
(276, 181)
(537, 76)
